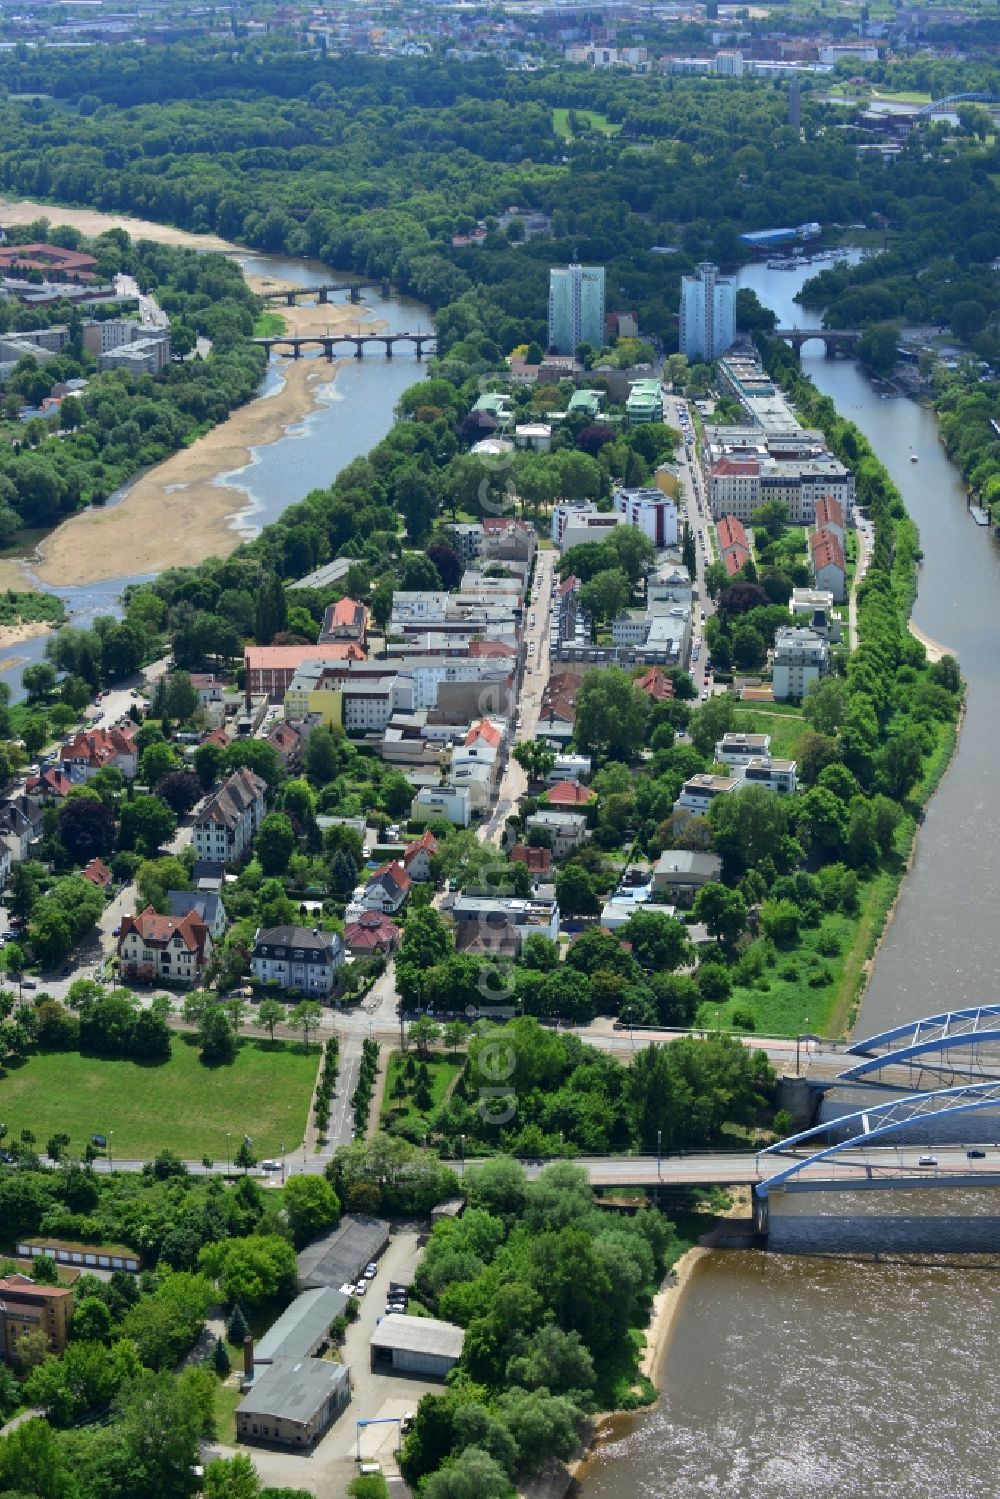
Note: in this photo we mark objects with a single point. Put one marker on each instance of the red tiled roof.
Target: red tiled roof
(537, 860)
(731, 532)
(347, 611)
(484, 730)
(733, 558)
(570, 582)
(98, 747)
(426, 841)
(157, 931)
(570, 794)
(480, 649)
(826, 550)
(734, 468)
(371, 930)
(829, 512)
(656, 684)
(394, 873)
(98, 873)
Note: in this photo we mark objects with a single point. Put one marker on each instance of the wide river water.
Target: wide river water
(788, 1378)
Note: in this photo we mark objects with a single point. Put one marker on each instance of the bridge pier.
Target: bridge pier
(355, 294)
(290, 298)
(385, 290)
(388, 348)
(323, 296)
(359, 348)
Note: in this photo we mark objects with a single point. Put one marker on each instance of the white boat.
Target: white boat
(914, 458)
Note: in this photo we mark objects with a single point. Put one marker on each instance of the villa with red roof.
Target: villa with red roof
(164, 949)
(93, 749)
(569, 794)
(828, 566)
(347, 619)
(387, 889)
(733, 545)
(656, 684)
(98, 873)
(418, 856)
(371, 934)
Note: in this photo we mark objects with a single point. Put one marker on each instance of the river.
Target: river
(355, 411)
(789, 1378)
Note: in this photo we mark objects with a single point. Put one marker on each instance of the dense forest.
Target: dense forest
(119, 423)
(374, 165)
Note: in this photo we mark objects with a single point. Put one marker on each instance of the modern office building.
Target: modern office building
(576, 307)
(707, 313)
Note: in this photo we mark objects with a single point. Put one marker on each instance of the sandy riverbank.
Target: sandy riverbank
(933, 648)
(176, 515)
(18, 634)
(316, 317)
(90, 221)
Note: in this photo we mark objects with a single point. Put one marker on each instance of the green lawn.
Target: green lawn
(268, 325)
(180, 1105)
(443, 1072)
(786, 729)
(599, 122)
(226, 1400)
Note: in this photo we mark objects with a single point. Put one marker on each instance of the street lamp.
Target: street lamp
(111, 1163)
(282, 1165)
(659, 1137)
(228, 1158)
(462, 1139)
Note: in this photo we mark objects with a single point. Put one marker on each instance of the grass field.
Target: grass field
(786, 729)
(181, 1106)
(268, 324)
(599, 122)
(443, 1072)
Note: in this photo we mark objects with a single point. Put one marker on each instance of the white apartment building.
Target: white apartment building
(772, 775)
(699, 792)
(740, 749)
(228, 821)
(801, 656)
(651, 512)
(451, 802)
(576, 307)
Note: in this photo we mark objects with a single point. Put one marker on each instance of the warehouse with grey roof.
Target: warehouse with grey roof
(416, 1345)
(293, 1401)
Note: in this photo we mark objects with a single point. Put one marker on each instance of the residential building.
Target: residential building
(656, 684)
(828, 565)
(416, 1345)
(208, 686)
(699, 791)
(645, 402)
(830, 516)
(288, 740)
(740, 749)
(164, 949)
(27, 1307)
(576, 307)
(54, 783)
(573, 524)
(771, 775)
(507, 539)
(537, 861)
(371, 934)
(92, 749)
(451, 802)
(566, 829)
(815, 606)
(569, 768)
(21, 821)
(801, 656)
(651, 511)
(206, 905)
(733, 546)
(418, 856)
(345, 620)
(467, 539)
(98, 873)
(293, 1402)
(387, 890)
(270, 669)
(500, 923)
(533, 437)
(564, 794)
(55, 262)
(297, 958)
(707, 314)
(679, 874)
(147, 352)
(225, 826)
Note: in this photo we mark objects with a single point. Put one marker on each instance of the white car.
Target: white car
(361, 1288)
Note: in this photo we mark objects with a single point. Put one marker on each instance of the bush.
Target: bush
(828, 944)
(820, 978)
(742, 1020)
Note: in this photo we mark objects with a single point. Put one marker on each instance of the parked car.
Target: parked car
(927, 1160)
(28, 984)
(361, 1289)
(975, 1155)
(371, 1270)
(270, 1165)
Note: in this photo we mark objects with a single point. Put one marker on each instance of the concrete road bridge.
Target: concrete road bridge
(835, 340)
(331, 342)
(288, 296)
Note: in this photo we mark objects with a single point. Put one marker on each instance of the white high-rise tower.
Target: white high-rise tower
(707, 313)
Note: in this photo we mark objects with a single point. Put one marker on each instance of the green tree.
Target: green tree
(306, 1017)
(252, 1270)
(270, 1013)
(723, 911)
(311, 1205)
(610, 714)
(275, 843)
